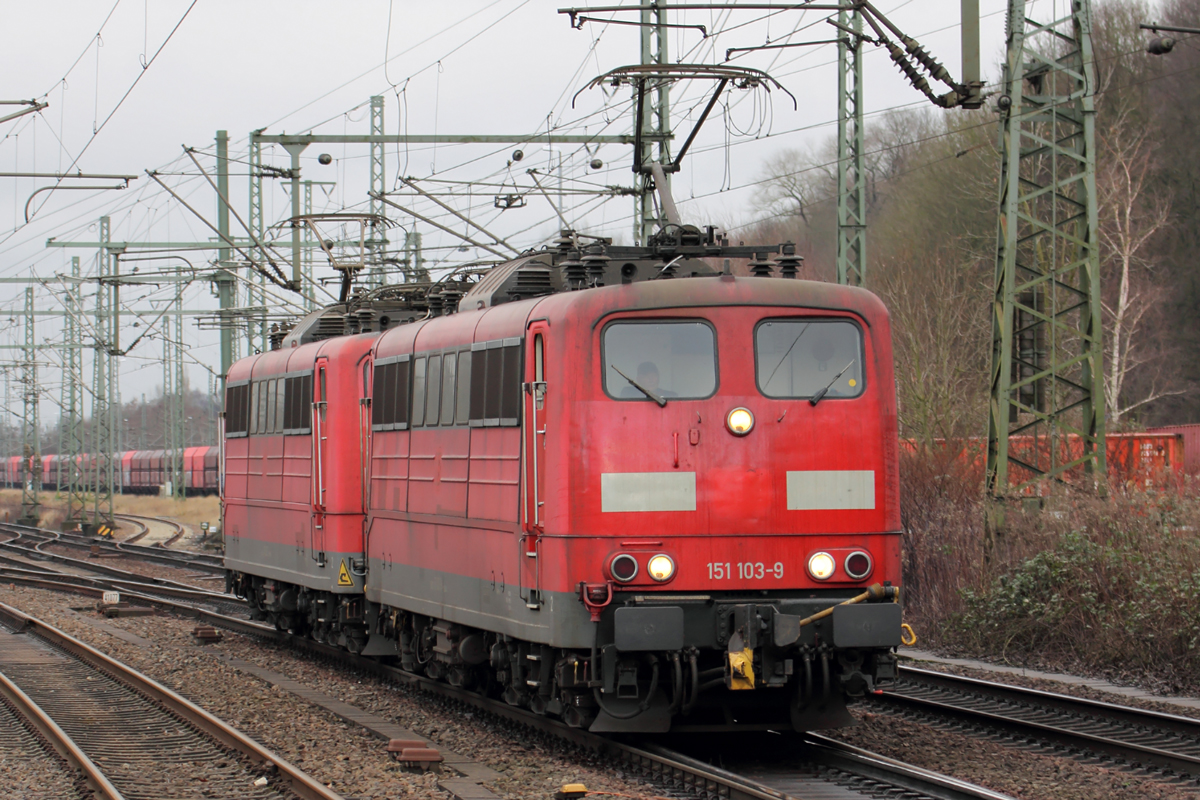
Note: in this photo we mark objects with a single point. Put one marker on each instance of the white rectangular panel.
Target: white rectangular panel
(830, 490)
(648, 491)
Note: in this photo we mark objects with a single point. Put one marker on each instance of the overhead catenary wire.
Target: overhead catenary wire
(124, 97)
(474, 209)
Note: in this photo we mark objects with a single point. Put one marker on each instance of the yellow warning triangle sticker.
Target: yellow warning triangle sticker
(344, 578)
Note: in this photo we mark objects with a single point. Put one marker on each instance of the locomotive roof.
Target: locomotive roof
(581, 307)
(722, 290)
(590, 306)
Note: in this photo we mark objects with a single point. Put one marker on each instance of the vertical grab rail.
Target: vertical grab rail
(318, 434)
(533, 434)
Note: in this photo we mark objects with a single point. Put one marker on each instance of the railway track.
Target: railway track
(144, 529)
(38, 537)
(19, 569)
(810, 766)
(815, 765)
(139, 519)
(1127, 736)
(48, 768)
(130, 736)
(1151, 742)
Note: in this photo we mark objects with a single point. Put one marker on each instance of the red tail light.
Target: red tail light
(858, 565)
(624, 568)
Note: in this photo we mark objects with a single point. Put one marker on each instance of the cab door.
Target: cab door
(533, 450)
(320, 461)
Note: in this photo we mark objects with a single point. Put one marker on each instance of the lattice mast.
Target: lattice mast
(31, 448)
(174, 397)
(74, 446)
(104, 383)
(1047, 377)
(852, 195)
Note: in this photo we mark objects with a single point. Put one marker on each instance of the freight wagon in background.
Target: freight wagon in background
(1191, 444)
(134, 471)
(1154, 459)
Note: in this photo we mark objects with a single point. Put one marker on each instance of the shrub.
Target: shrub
(1104, 585)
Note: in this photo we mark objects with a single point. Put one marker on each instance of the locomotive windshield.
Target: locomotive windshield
(803, 358)
(670, 359)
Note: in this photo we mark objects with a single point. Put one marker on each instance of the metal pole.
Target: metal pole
(256, 294)
(294, 150)
(73, 410)
(174, 396)
(377, 243)
(102, 392)
(852, 209)
(225, 284)
(652, 121)
(1047, 377)
(309, 291)
(31, 461)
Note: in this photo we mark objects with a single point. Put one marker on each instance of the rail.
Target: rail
(295, 780)
(59, 740)
(648, 759)
(1124, 733)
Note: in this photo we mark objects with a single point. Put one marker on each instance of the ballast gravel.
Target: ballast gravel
(29, 767)
(340, 755)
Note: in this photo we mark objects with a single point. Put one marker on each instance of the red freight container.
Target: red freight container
(1191, 444)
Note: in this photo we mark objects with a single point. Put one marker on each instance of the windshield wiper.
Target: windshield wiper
(816, 398)
(786, 353)
(662, 401)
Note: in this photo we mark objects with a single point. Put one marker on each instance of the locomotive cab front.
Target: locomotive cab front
(723, 492)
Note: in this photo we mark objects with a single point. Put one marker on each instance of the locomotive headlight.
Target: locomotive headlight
(661, 567)
(739, 421)
(821, 566)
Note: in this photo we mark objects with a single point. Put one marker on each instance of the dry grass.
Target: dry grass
(1101, 585)
(190, 511)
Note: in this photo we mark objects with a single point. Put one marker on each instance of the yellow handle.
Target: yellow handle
(911, 638)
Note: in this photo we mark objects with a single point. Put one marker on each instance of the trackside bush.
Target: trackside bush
(1102, 586)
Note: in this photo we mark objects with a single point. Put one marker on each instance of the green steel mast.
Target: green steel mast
(1046, 341)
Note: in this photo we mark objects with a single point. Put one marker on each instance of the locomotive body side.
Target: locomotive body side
(446, 473)
(570, 477)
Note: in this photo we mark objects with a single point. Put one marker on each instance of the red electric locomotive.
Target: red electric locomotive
(617, 485)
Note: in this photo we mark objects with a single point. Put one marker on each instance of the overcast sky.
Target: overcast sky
(499, 66)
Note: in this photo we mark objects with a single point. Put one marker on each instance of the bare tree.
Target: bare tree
(940, 335)
(1131, 214)
(797, 180)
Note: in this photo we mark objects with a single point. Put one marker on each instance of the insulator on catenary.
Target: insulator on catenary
(595, 260)
(759, 266)
(574, 271)
(788, 262)
(929, 62)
